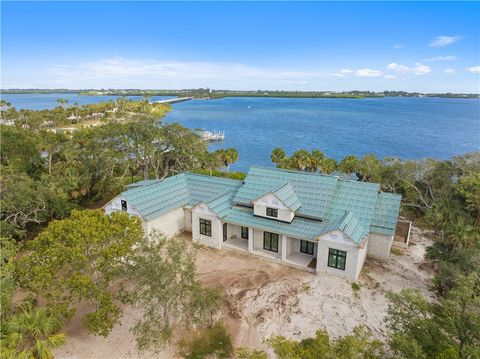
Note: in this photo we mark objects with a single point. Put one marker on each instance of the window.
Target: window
(306, 247)
(272, 212)
(124, 205)
(270, 241)
(205, 227)
(244, 233)
(336, 258)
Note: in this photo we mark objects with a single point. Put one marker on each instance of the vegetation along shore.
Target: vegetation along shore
(216, 94)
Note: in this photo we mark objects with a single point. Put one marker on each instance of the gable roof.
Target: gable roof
(220, 205)
(313, 190)
(287, 195)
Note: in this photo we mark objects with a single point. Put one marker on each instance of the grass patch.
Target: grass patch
(306, 288)
(245, 353)
(356, 289)
(396, 251)
(214, 341)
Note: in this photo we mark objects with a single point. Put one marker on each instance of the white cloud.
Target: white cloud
(368, 73)
(343, 73)
(474, 69)
(123, 73)
(442, 40)
(398, 46)
(389, 77)
(418, 69)
(449, 71)
(441, 58)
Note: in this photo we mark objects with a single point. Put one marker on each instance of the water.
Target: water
(409, 128)
(49, 101)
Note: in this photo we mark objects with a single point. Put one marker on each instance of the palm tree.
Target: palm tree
(300, 160)
(328, 166)
(75, 112)
(31, 333)
(277, 156)
(230, 156)
(460, 233)
(349, 165)
(316, 159)
(62, 102)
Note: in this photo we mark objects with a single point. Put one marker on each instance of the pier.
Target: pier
(174, 100)
(212, 136)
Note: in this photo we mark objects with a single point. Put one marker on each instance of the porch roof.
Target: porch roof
(300, 227)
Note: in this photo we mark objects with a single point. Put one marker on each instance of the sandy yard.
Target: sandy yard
(265, 298)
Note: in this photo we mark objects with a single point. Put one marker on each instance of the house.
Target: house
(320, 223)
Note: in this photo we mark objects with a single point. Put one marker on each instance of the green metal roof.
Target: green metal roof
(221, 204)
(385, 214)
(350, 206)
(356, 197)
(142, 183)
(313, 190)
(287, 195)
(173, 192)
(299, 227)
(351, 226)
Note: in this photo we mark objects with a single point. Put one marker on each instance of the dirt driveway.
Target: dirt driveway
(265, 298)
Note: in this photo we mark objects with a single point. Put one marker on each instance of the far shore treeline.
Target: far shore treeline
(206, 93)
(59, 250)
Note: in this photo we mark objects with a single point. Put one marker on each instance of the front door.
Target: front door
(224, 232)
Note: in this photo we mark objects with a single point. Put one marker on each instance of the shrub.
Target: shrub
(212, 341)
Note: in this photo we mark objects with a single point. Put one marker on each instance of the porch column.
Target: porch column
(219, 233)
(284, 247)
(250, 239)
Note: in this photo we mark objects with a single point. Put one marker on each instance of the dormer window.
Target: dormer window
(272, 212)
(124, 205)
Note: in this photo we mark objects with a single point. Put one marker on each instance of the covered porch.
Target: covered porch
(274, 246)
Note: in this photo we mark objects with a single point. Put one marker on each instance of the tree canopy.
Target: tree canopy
(79, 259)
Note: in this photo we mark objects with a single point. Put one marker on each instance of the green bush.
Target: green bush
(232, 175)
(214, 341)
(245, 353)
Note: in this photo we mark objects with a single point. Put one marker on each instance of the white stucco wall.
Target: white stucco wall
(188, 219)
(234, 230)
(379, 246)
(216, 240)
(116, 205)
(169, 224)
(362, 255)
(336, 240)
(285, 214)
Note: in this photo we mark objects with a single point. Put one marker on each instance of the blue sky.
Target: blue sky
(427, 47)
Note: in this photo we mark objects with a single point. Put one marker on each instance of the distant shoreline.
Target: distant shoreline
(218, 94)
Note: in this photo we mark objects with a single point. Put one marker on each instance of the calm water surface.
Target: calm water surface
(409, 128)
(49, 101)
